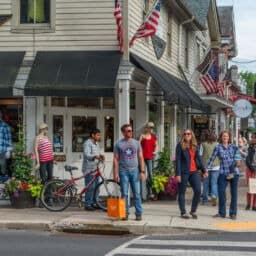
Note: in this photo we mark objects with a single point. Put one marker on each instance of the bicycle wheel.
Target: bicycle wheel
(55, 196)
(105, 190)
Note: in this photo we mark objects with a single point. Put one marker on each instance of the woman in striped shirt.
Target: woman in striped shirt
(44, 154)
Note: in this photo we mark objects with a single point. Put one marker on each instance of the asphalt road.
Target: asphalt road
(27, 243)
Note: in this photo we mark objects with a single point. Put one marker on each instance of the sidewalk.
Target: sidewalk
(160, 217)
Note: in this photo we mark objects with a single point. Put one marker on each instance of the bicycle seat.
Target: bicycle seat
(69, 168)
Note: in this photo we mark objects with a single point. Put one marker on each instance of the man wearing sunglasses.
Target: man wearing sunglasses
(127, 159)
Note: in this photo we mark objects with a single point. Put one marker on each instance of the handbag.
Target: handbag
(252, 184)
(116, 207)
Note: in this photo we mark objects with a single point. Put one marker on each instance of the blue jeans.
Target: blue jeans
(149, 181)
(222, 185)
(46, 171)
(213, 181)
(131, 178)
(89, 200)
(195, 182)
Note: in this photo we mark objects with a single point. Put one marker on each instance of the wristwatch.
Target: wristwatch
(142, 171)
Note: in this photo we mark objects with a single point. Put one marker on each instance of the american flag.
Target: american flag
(150, 25)
(205, 63)
(221, 88)
(119, 21)
(209, 79)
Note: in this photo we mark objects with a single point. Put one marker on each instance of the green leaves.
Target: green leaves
(164, 166)
(159, 182)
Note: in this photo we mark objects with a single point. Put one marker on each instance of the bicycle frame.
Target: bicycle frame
(70, 183)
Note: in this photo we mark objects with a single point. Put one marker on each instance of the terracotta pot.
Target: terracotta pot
(23, 200)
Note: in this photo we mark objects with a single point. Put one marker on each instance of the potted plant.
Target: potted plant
(23, 187)
(164, 181)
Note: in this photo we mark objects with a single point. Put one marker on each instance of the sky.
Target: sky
(245, 25)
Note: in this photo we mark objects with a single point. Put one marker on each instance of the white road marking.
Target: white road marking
(165, 252)
(194, 243)
(234, 248)
(123, 247)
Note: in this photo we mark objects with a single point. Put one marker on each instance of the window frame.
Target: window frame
(186, 49)
(18, 27)
(169, 37)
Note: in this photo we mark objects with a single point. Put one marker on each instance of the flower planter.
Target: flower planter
(22, 200)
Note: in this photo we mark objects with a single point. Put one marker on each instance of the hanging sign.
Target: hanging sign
(242, 108)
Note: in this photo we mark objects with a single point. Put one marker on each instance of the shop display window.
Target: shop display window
(77, 102)
(81, 128)
(58, 132)
(12, 110)
(109, 134)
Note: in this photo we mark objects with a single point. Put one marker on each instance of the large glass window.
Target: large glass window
(81, 128)
(109, 134)
(58, 132)
(34, 11)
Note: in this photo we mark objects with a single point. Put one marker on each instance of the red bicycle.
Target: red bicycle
(57, 195)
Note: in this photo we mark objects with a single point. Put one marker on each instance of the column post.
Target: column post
(123, 94)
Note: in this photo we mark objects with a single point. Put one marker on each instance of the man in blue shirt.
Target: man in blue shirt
(127, 160)
(5, 144)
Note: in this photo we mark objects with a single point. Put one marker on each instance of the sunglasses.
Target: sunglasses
(187, 133)
(129, 131)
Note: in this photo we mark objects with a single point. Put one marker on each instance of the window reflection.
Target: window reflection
(81, 128)
(109, 134)
(58, 141)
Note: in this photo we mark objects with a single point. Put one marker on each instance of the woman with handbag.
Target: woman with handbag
(251, 172)
(229, 157)
(188, 162)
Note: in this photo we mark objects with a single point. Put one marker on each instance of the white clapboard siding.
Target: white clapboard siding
(80, 25)
(144, 48)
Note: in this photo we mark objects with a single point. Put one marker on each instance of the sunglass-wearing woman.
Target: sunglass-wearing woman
(188, 162)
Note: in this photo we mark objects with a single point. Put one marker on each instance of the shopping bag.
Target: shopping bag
(252, 185)
(116, 207)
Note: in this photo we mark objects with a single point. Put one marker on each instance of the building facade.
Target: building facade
(61, 65)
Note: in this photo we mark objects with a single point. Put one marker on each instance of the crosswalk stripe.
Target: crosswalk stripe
(123, 247)
(234, 248)
(195, 243)
(165, 252)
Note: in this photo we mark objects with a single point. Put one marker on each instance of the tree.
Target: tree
(250, 79)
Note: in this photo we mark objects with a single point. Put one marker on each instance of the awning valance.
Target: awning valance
(176, 91)
(74, 73)
(10, 63)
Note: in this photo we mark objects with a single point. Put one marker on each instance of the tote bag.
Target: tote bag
(252, 185)
(116, 208)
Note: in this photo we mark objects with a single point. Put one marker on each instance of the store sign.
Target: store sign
(242, 108)
(159, 46)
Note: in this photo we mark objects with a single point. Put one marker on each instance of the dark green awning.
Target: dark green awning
(74, 73)
(10, 63)
(176, 91)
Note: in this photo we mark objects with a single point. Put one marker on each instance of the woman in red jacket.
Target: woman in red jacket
(188, 164)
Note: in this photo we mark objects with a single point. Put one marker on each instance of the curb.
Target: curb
(27, 226)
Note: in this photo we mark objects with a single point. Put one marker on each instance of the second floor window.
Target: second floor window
(34, 11)
(186, 43)
(169, 37)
